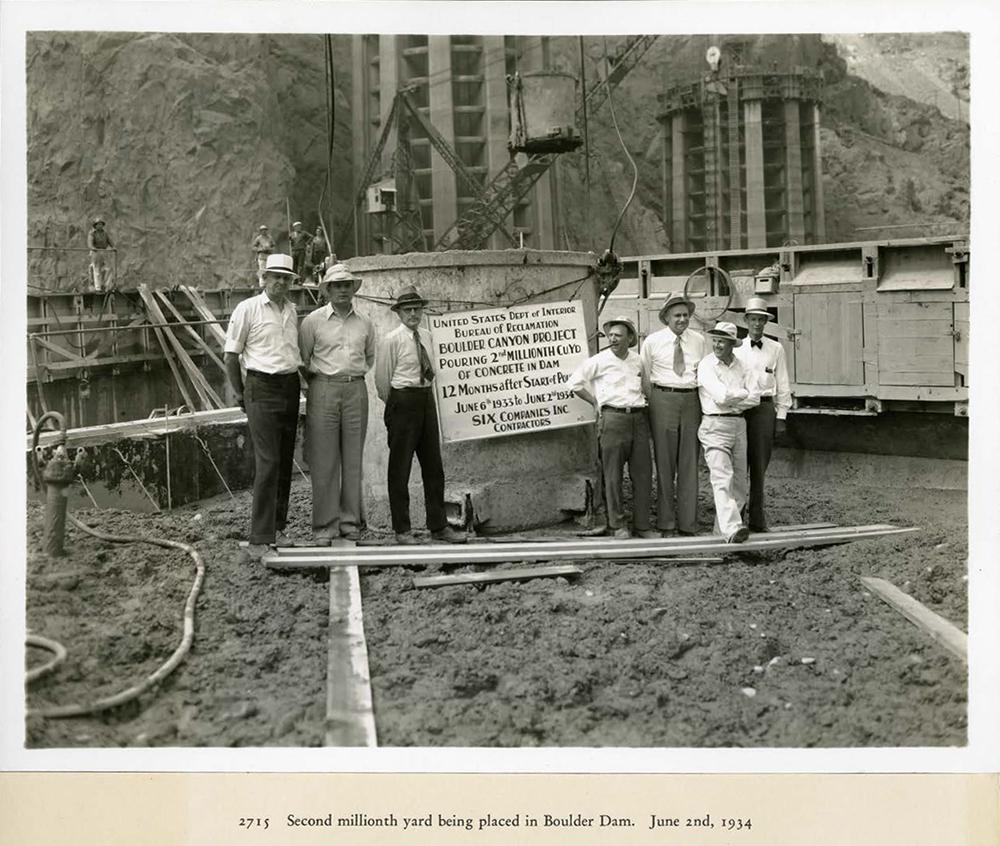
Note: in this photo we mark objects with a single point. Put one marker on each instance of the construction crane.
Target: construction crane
(494, 201)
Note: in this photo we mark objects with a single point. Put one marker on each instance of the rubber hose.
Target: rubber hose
(58, 656)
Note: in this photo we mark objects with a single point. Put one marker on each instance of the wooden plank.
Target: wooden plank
(935, 626)
(322, 557)
(496, 575)
(65, 352)
(350, 716)
(190, 330)
(173, 366)
(206, 313)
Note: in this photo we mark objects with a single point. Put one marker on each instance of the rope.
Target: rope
(628, 155)
(87, 490)
(215, 467)
(136, 477)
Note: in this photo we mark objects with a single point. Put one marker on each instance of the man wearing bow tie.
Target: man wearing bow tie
(765, 359)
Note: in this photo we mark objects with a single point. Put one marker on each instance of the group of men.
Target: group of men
(684, 391)
(309, 252)
(326, 358)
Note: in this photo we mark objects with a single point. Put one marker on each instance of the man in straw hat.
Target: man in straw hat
(403, 377)
(263, 334)
(338, 348)
(99, 243)
(764, 358)
(299, 241)
(611, 381)
(670, 359)
(262, 246)
(726, 390)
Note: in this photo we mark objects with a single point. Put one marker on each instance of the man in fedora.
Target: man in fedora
(263, 334)
(262, 246)
(670, 359)
(611, 381)
(403, 377)
(764, 358)
(338, 348)
(726, 390)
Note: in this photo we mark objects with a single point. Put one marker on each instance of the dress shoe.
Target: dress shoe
(449, 535)
(352, 535)
(281, 539)
(406, 539)
(256, 551)
(321, 540)
(622, 534)
(648, 534)
(739, 536)
(759, 530)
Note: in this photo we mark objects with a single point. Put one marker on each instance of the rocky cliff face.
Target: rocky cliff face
(186, 143)
(183, 143)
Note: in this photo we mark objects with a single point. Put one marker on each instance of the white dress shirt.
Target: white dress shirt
(768, 366)
(265, 335)
(657, 357)
(397, 364)
(726, 388)
(610, 379)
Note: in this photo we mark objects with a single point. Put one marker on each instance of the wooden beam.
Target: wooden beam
(173, 367)
(206, 313)
(587, 550)
(937, 627)
(496, 575)
(190, 330)
(350, 716)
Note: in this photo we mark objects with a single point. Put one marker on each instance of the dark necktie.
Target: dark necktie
(758, 344)
(426, 369)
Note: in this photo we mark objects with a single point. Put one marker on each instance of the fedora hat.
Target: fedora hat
(262, 228)
(672, 300)
(281, 264)
(727, 331)
(297, 223)
(408, 296)
(624, 321)
(338, 273)
(757, 305)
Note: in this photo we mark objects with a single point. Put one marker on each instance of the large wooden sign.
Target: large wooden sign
(503, 371)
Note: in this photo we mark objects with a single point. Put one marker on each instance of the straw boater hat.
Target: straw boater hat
(725, 330)
(757, 305)
(408, 296)
(675, 299)
(263, 228)
(297, 223)
(281, 264)
(624, 321)
(339, 273)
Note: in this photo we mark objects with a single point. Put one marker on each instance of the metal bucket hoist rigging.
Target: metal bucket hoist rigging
(395, 195)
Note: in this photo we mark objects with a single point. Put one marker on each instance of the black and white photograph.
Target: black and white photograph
(496, 390)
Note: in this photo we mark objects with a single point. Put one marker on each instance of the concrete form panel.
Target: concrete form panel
(756, 218)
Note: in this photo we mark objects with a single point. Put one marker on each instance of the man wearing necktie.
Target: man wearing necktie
(764, 358)
(670, 360)
(403, 379)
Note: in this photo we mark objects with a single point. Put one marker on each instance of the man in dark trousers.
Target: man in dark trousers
(611, 381)
(299, 241)
(99, 242)
(765, 359)
(263, 334)
(403, 380)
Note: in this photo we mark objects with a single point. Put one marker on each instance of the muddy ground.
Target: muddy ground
(779, 649)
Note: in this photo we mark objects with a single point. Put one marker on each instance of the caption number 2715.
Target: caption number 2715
(254, 822)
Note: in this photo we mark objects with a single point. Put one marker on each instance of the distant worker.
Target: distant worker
(100, 246)
(338, 348)
(765, 359)
(315, 253)
(263, 246)
(263, 333)
(403, 377)
(299, 241)
(670, 359)
(611, 381)
(726, 389)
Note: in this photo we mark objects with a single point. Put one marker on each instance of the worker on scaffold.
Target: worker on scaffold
(611, 381)
(338, 348)
(262, 246)
(263, 333)
(299, 242)
(726, 389)
(99, 243)
(670, 360)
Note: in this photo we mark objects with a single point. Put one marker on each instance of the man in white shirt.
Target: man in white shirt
(611, 381)
(765, 359)
(670, 359)
(263, 334)
(338, 348)
(403, 379)
(726, 390)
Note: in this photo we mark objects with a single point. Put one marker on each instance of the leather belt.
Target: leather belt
(260, 374)
(630, 410)
(674, 390)
(767, 399)
(727, 414)
(336, 378)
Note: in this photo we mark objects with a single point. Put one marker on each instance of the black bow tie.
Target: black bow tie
(759, 344)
